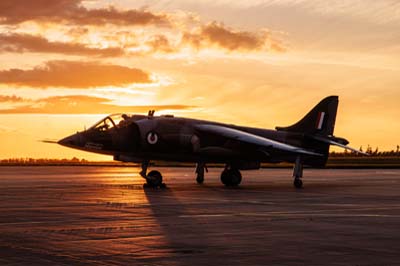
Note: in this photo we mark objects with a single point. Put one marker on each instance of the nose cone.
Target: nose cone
(73, 141)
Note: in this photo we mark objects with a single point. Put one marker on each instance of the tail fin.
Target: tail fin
(320, 120)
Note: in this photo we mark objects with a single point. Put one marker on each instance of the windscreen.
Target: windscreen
(115, 120)
(104, 125)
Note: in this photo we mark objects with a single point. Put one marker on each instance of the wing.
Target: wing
(249, 138)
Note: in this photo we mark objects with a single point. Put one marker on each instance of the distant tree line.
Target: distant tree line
(371, 151)
(42, 161)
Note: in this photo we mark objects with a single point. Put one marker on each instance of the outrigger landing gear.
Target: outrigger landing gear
(200, 167)
(298, 173)
(231, 177)
(153, 179)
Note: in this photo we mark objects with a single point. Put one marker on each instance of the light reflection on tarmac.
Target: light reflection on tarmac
(103, 216)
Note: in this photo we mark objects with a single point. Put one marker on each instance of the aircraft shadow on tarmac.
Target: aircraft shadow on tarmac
(183, 233)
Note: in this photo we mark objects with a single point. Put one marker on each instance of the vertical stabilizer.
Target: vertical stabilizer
(320, 120)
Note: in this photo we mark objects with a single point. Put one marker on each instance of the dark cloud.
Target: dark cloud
(81, 104)
(13, 99)
(74, 74)
(20, 43)
(73, 14)
(218, 35)
(72, 11)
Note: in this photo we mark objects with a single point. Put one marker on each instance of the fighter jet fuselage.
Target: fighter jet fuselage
(142, 138)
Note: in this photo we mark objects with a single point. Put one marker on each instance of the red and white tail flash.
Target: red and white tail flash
(320, 120)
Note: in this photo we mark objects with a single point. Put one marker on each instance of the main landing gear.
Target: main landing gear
(153, 178)
(231, 177)
(298, 173)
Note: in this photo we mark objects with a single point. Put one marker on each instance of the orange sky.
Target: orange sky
(260, 63)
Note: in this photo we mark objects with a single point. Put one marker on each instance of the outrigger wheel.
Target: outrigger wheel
(298, 183)
(298, 173)
(200, 178)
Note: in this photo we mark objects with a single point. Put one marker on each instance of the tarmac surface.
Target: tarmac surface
(103, 216)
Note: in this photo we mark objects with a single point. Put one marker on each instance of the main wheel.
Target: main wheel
(298, 183)
(231, 177)
(154, 179)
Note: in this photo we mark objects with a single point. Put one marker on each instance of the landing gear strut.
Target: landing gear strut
(231, 177)
(200, 167)
(144, 166)
(298, 173)
(153, 179)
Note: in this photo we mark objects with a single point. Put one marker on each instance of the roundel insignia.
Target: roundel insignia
(152, 138)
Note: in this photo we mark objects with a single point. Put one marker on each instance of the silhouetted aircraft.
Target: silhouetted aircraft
(141, 138)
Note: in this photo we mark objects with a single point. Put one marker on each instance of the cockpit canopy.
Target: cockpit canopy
(112, 121)
(115, 121)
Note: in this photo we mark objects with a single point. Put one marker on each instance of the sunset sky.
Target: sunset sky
(65, 64)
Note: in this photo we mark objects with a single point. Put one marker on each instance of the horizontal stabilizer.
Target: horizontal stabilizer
(332, 142)
(249, 138)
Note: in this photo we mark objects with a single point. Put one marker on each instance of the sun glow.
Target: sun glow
(264, 67)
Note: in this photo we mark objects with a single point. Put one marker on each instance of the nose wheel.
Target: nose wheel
(153, 178)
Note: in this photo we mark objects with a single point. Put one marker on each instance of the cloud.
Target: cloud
(72, 11)
(20, 43)
(221, 36)
(76, 20)
(160, 43)
(81, 104)
(74, 74)
(12, 99)
(210, 35)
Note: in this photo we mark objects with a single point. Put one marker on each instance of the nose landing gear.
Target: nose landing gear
(153, 178)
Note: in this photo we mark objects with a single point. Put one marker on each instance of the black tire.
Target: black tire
(298, 183)
(231, 177)
(225, 177)
(236, 177)
(200, 179)
(154, 179)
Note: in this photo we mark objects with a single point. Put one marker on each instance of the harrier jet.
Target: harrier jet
(142, 138)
